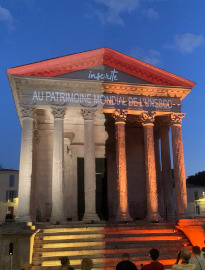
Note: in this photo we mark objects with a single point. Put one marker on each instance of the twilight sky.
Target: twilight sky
(167, 33)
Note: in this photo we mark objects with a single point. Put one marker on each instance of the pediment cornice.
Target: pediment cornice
(104, 56)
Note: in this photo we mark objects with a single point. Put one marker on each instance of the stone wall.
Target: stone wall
(22, 238)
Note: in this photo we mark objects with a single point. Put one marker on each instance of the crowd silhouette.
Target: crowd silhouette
(185, 260)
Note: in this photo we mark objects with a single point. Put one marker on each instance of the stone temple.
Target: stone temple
(95, 138)
(100, 132)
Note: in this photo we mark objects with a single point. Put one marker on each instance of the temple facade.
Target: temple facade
(96, 139)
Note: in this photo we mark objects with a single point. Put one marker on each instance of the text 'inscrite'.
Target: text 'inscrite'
(62, 98)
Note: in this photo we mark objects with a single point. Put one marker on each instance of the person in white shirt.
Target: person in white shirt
(184, 255)
(196, 259)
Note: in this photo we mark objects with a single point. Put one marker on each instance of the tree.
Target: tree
(198, 179)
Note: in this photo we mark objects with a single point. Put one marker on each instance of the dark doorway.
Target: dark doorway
(101, 188)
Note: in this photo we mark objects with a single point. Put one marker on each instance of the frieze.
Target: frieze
(103, 100)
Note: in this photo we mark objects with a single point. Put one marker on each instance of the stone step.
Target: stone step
(106, 250)
(73, 262)
(107, 230)
(67, 243)
(94, 238)
(143, 238)
(107, 237)
(98, 253)
(73, 230)
(114, 244)
(163, 243)
(113, 232)
(92, 227)
(70, 236)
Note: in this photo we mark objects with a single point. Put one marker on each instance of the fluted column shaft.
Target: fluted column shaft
(122, 189)
(150, 167)
(178, 160)
(57, 214)
(89, 165)
(159, 173)
(25, 169)
(167, 172)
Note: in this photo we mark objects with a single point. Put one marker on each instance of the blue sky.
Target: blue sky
(167, 33)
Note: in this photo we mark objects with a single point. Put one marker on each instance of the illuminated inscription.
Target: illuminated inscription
(131, 101)
(104, 76)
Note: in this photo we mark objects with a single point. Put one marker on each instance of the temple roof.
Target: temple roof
(104, 56)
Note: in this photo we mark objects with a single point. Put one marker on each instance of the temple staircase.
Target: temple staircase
(104, 244)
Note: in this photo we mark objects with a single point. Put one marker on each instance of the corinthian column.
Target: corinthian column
(150, 167)
(159, 172)
(57, 214)
(89, 165)
(123, 207)
(166, 171)
(178, 160)
(25, 169)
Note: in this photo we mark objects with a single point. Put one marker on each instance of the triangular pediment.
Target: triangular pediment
(103, 73)
(128, 68)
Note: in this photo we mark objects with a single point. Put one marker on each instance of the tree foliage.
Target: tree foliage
(197, 179)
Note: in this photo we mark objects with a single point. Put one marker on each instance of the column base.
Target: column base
(181, 216)
(88, 217)
(123, 217)
(58, 220)
(153, 217)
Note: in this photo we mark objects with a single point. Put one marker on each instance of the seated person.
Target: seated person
(65, 264)
(196, 259)
(155, 264)
(86, 264)
(185, 256)
(125, 263)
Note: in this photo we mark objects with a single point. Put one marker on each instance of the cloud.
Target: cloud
(151, 13)
(151, 56)
(111, 10)
(186, 43)
(5, 15)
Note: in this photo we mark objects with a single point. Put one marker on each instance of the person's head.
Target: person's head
(64, 261)
(26, 266)
(154, 254)
(196, 250)
(185, 255)
(125, 256)
(86, 264)
(203, 251)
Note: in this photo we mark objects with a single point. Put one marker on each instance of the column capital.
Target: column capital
(120, 116)
(88, 114)
(58, 112)
(147, 118)
(176, 118)
(27, 111)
